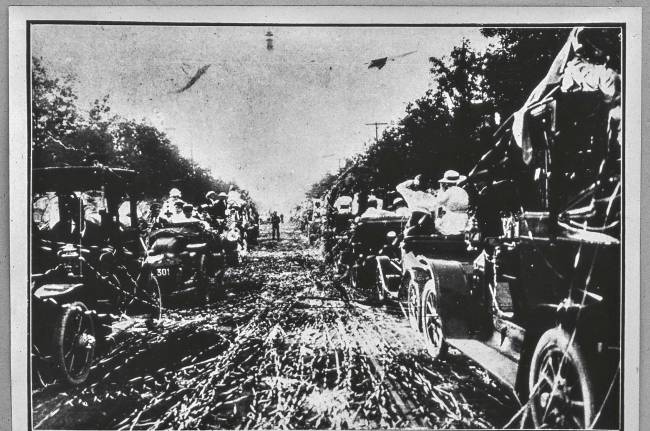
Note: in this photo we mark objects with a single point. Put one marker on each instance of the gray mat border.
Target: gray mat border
(5, 395)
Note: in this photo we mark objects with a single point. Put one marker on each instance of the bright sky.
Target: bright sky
(273, 121)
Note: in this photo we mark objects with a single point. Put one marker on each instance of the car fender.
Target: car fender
(158, 260)
(58, 291)
(454, 295)
(413, 264)
(568, 315)
(415, 268)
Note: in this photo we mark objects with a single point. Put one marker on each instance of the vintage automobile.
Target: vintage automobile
(420, 245)
(186, 259)
(251, 229)
(369, 238)
(539, 306)
(86, 266)
(234, 243)
(389, 244)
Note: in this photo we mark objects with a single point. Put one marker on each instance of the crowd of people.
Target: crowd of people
(448, 203)
(216, 208)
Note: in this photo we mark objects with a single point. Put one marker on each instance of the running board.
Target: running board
(493, 361)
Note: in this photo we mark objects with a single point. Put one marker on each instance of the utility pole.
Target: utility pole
(376, 129)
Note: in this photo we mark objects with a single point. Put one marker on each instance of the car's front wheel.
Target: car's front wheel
(413, 302)
(560, 386)
(434, 337)
(148, 302)
(74, 339)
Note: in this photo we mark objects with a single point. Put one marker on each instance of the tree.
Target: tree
(451, 125)
(517, 62)
(54, 116)
(64, 135)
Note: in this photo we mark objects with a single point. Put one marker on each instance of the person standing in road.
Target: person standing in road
(275, 226)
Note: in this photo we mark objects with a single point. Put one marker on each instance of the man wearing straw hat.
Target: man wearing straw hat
(453, 202)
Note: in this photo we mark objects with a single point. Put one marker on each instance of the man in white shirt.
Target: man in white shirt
(453, 203)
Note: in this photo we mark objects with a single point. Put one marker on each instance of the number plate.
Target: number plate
(162, 272)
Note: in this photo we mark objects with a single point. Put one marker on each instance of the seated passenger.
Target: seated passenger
(400, 208)
(204, 213)
(155, 220)
(178, 216)
(72, 227)
(169, 204)
(418, 194)
(453, 201)
(220, 206)
(374, 212)
(189, 217)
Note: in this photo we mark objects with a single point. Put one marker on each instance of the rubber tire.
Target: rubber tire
(413, 310)
(59, 342)
(143, 310)
(558, 338)
(436, 348)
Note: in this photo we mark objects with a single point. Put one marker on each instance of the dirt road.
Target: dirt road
(285, 349)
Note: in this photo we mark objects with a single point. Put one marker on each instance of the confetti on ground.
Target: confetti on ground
(284, 349)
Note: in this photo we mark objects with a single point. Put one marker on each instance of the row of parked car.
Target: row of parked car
(94, 263)
(531, 290)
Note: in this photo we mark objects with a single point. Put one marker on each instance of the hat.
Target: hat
(174, 193)
(179, 204)
(156, 206)
(188, 207)
(223, 195)
(210, 193)
(452, 177)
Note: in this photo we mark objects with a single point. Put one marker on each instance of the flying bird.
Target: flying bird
(381, 62)
(199, 73)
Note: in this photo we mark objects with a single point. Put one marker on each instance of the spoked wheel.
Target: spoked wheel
(148, 303)
(413, 303)
(434, 337)
(74, 339)
(560, 388)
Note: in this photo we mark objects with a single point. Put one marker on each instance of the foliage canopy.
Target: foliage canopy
(64, 135)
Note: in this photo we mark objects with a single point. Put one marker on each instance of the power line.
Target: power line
(376, 124)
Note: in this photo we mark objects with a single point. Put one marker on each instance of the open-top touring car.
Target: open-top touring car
(539, 306)
(186, 258)
(85, 266)
(370, 237)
